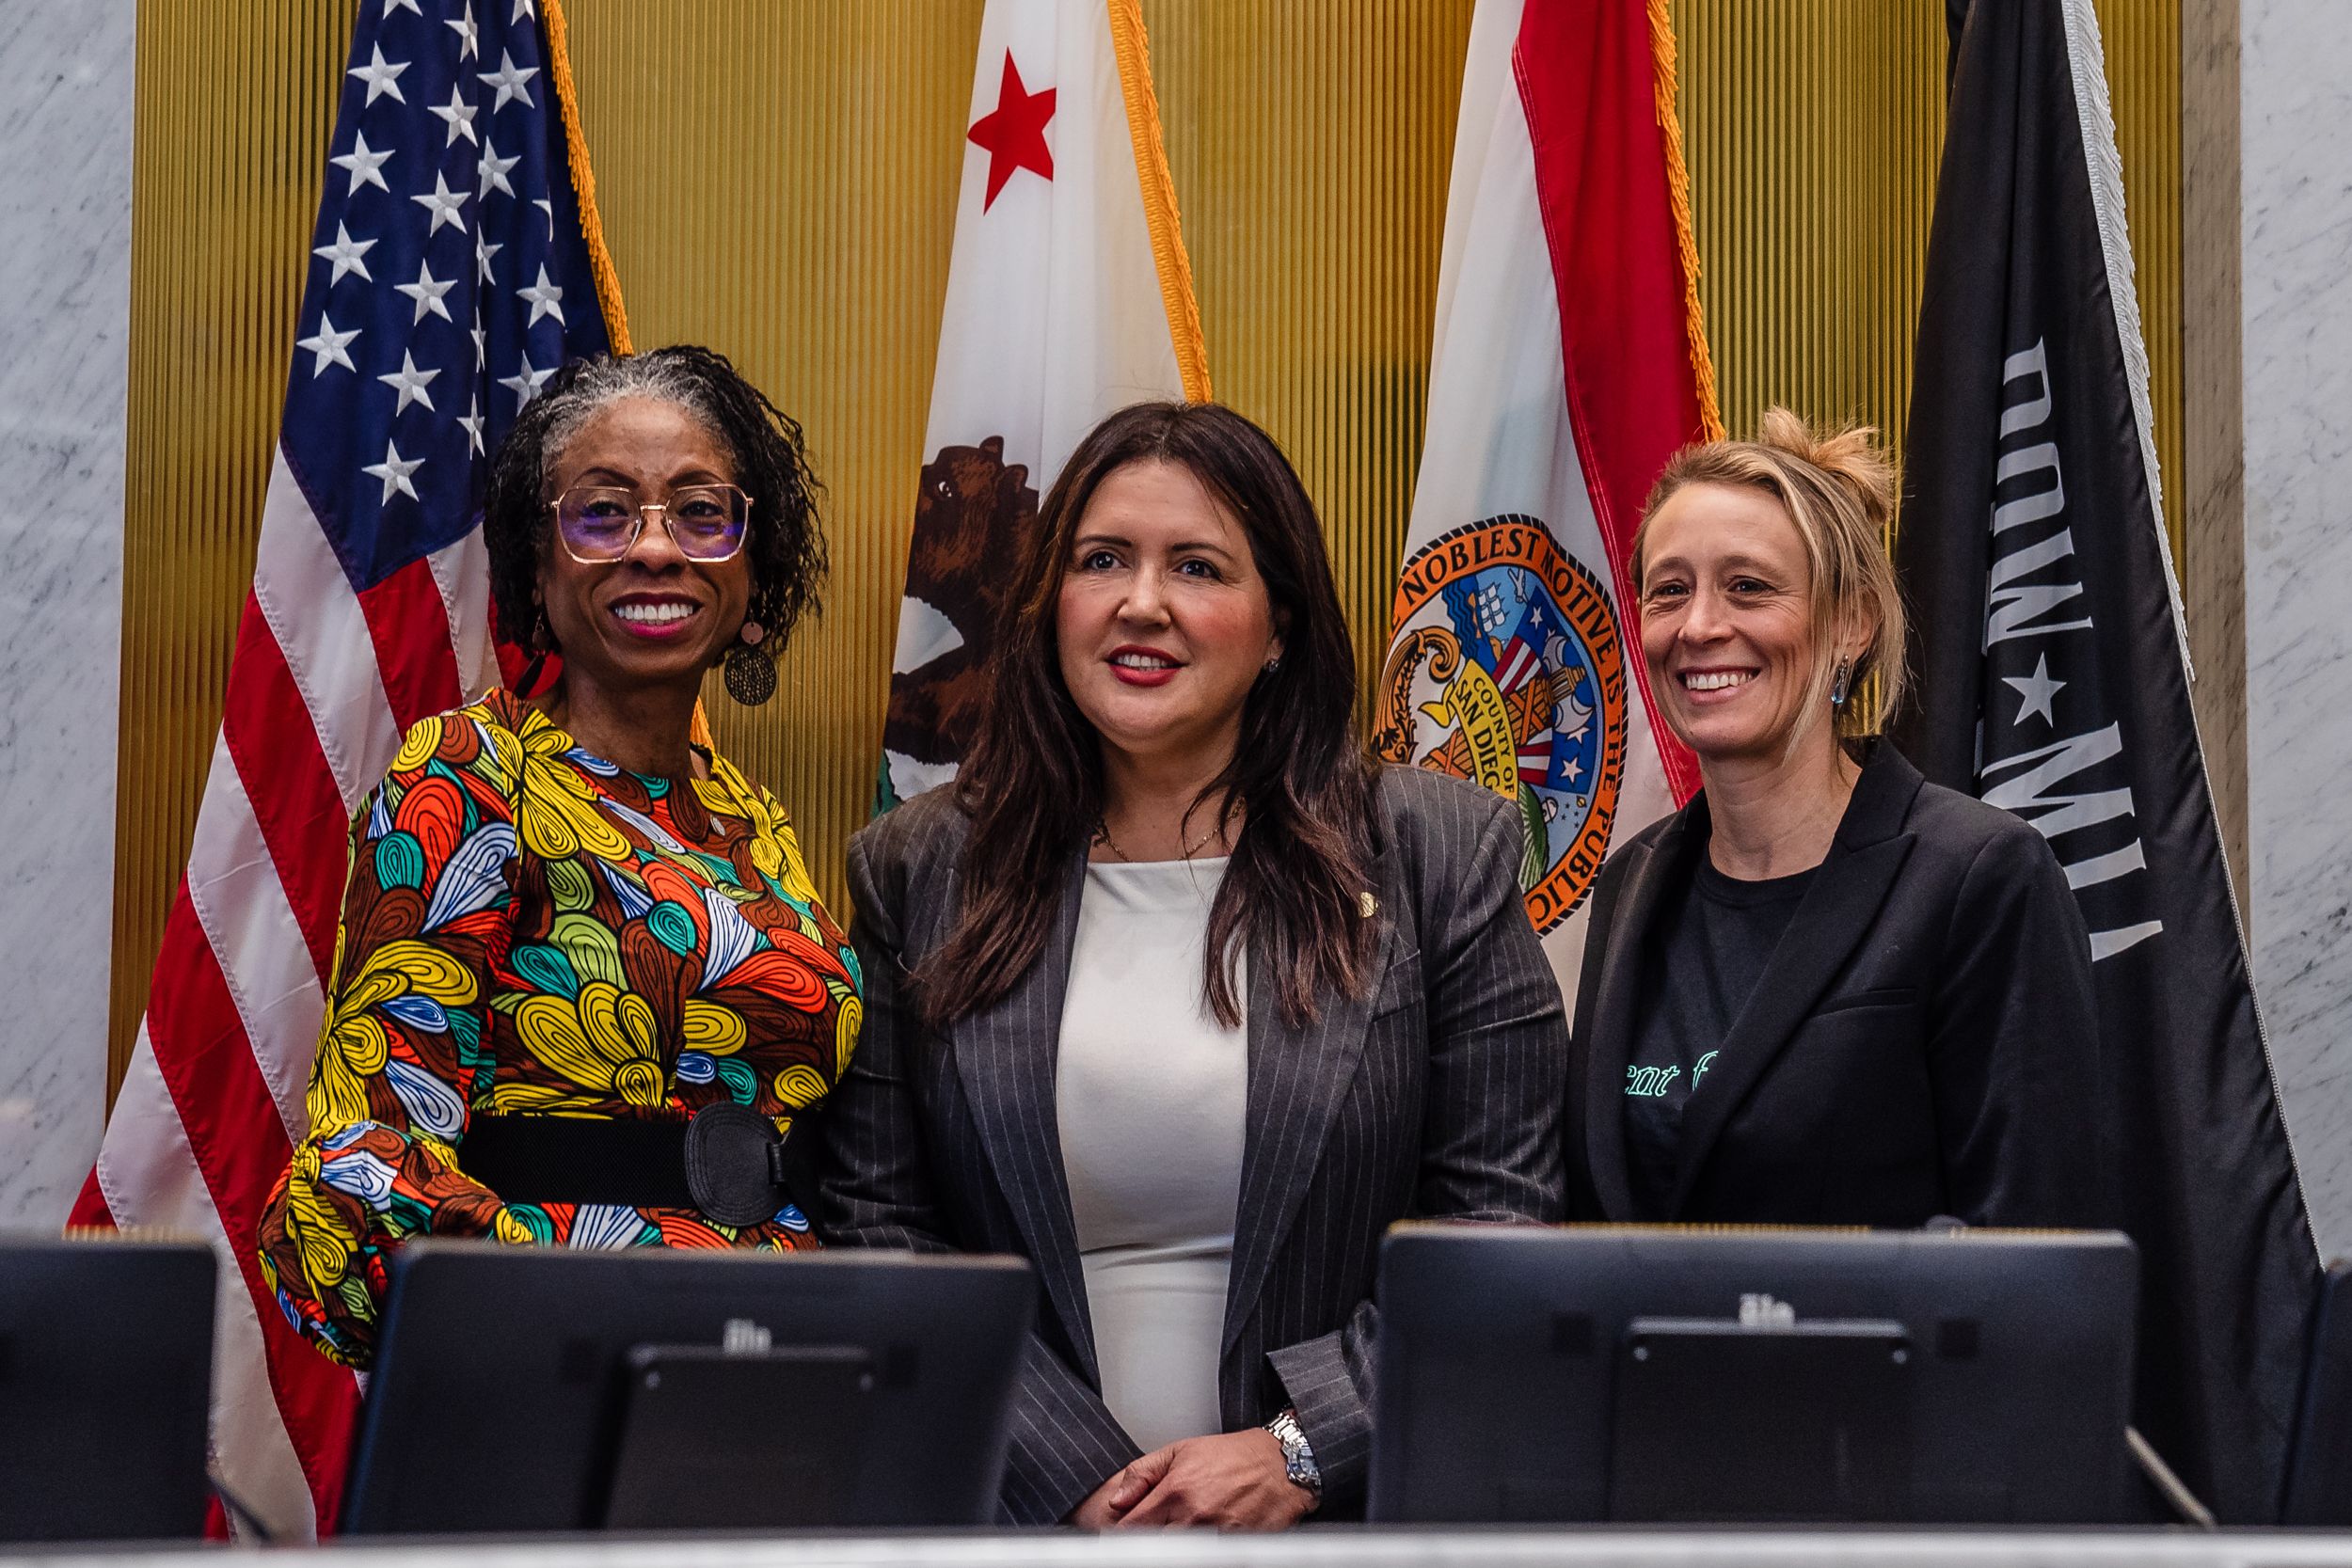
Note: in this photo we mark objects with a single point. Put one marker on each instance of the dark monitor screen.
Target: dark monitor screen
(528, 1389)
(105, 1378)
(1693, 1374)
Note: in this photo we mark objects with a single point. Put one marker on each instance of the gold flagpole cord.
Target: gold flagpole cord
(1129, 43)
(584, 179)
(1661, 39)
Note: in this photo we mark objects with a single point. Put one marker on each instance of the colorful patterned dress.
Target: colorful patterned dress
(530, 930)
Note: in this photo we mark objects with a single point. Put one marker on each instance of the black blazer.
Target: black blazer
(1435, 1095)
(1925, 1040)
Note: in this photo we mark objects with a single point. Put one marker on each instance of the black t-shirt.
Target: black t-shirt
(1712, 939)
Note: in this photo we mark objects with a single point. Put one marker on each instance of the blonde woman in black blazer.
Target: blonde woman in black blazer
(1396, 1038)
(1825, 992)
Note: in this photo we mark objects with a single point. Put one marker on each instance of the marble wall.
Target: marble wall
(2294, 89)
(65, 309)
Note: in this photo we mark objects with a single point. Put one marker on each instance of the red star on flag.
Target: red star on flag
(1014, 132)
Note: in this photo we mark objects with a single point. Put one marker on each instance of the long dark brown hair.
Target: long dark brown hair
(1033, 784)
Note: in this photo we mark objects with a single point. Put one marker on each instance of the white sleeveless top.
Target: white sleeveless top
(1152, 1093)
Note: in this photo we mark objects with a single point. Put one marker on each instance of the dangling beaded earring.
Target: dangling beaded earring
(1837, 687)
(540, 634)
(751, 672)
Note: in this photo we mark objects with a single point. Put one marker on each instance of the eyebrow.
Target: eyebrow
(623, 482)
(1202, 546)
(1731, 562)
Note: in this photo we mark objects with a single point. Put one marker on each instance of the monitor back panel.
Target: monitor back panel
(105, 1375)
(500, 1382)
(1500, 1349)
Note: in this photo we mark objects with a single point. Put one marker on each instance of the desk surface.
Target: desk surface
(1337, 1547)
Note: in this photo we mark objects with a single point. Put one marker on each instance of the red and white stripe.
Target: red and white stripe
(323, 684)
(1517, 668)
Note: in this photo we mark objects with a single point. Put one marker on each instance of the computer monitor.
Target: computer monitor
(521, 1388)
(1669, 1373)
(105, 1381)
(2319, 1460)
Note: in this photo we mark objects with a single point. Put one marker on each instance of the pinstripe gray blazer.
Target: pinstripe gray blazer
(1435, 1095)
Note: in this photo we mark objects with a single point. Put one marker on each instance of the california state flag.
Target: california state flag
(1068, 296)
(1568, 365)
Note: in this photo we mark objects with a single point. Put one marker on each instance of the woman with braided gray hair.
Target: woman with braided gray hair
(583, 983)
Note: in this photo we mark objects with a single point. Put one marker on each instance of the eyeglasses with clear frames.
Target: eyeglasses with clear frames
(599, 525)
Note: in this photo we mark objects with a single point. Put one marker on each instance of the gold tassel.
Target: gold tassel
(584, 180)
(1159, 196)
(1661, 39)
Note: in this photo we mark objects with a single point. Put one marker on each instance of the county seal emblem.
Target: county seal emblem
(1508, 669)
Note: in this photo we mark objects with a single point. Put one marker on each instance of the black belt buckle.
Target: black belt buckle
(735, 1165)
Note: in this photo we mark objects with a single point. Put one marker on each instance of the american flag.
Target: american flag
(450, 275)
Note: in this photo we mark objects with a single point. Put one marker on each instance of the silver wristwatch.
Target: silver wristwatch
(1298, 1457)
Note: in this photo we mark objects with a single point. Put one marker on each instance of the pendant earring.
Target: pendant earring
(1837, 687)
(751, 673)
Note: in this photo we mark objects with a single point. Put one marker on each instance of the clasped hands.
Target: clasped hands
(1232, 1481)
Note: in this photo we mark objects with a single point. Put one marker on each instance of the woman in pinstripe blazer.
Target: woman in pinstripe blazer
(1346, 1022)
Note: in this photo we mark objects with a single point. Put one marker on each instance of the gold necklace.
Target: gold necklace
(1102, 832)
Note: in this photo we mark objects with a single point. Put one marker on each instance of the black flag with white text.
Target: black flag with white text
(2053, 682)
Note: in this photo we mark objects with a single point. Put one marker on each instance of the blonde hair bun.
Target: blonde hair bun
(1850, 453)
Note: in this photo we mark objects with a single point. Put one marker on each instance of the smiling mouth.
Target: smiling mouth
(667, 613)
(1144, 661)
(1716, 680)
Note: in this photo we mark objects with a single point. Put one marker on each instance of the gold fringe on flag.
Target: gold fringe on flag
(584, 179)
(1661, 39)
(1159, 196)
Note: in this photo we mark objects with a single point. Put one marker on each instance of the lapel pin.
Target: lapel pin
(1367, 903)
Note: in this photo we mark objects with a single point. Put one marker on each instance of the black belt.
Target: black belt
(729, 1163)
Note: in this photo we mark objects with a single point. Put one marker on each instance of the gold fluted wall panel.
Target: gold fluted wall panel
(1814, 129)
(2143, 50)
(779, 181)
(233, 104)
